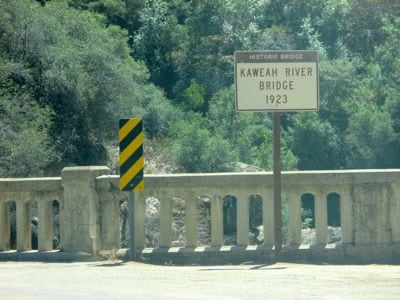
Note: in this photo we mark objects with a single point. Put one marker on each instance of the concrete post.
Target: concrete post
(165, 222)
(321, 217)
(294, 219)
(110, 221)
(217, 221)
(242, 202)
(4, 226)
(346, 216)
(24, 237)
(45, 226)
(268, 218)
(191, 221)
(80, 209)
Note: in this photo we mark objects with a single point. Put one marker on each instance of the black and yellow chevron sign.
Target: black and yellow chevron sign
(131, 160)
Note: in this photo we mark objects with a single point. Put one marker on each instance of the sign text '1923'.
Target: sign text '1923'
(276, 99)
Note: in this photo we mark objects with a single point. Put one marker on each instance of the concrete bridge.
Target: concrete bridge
(89, 212)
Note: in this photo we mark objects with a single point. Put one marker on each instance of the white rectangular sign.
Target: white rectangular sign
(276, 80)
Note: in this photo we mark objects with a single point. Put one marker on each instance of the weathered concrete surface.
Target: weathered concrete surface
(369, 200)
(89, 214)
(81, 230)
(314, 254)
(113, 280)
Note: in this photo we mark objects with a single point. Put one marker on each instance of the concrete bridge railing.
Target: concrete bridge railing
(89, 201)
(23, 192)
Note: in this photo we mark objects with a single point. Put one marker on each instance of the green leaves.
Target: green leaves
(371, 139)
(75, 67)
(157, 43)
(315, 143)
(194, 95)
(25, 143)
(68, 62)
(196, 150)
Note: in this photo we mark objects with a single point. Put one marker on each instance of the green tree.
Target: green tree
(25, 143)
(207, 55)
(194, 96)
(158, 43)
(78, 67)
(114, 10)
(371, 139)
(275, 38)
(340, 85)
(196, 150)
(374, 129)
(316, 143)
(243, 130)
(326, 19)
(364, 25)
(157, 111)
(249, 133)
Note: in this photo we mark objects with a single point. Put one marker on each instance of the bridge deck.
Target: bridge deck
(118, 280)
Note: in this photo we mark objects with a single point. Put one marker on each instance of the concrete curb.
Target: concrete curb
(47, 256)
(315, 254)
(225, 255)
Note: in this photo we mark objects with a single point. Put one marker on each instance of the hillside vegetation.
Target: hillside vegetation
(70, 69)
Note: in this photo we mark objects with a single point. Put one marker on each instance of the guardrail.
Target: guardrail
(26, 195)
(90, 208)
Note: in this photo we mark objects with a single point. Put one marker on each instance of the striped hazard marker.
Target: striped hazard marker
(131, 159)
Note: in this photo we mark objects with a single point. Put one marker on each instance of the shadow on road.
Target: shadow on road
(109, 264)
(263, 267)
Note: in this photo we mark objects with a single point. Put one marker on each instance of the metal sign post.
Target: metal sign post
(131, 162)
(276, 81)
(131, 223)
(277, 183)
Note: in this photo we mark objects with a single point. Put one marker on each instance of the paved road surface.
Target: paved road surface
(111, 280)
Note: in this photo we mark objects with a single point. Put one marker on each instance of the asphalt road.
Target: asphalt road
(117, 280)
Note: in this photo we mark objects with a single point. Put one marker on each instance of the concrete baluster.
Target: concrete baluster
(45, 232)
(346, 216)
(242, 204)
(165, 222)
(217, 221)
(268, 218)
(110, 214)
(24, 237)
(191, 221)
(321, 217)
(4, 226)
(294, 218)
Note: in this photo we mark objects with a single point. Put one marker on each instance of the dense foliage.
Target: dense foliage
(69, 69)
